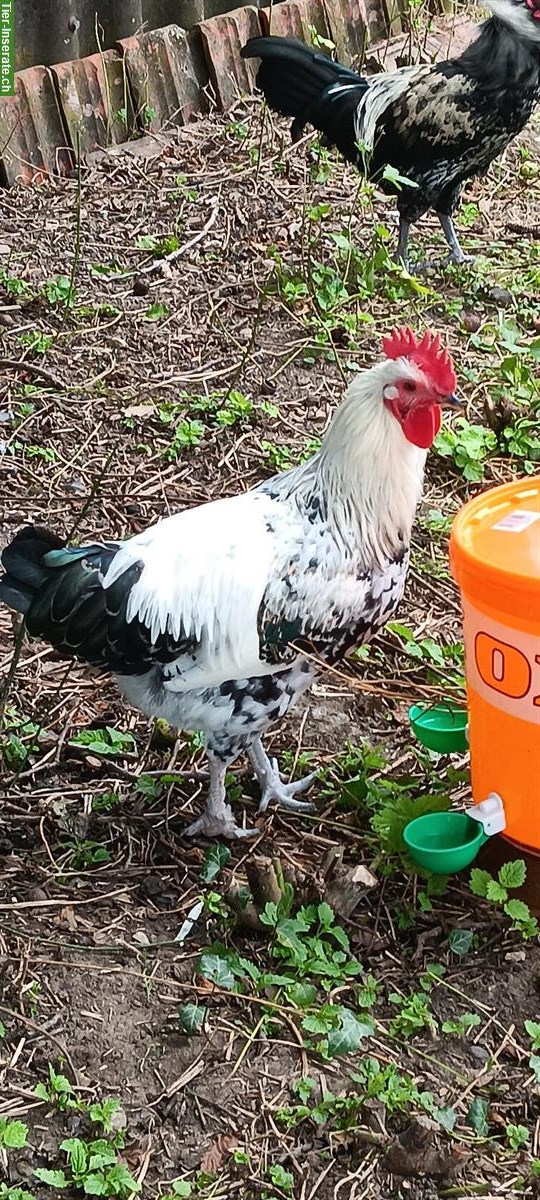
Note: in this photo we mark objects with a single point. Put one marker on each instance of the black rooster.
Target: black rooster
(436, 125)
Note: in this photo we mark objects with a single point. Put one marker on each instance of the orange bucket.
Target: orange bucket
(495, 559)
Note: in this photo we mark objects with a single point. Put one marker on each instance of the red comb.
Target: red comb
(433, 358)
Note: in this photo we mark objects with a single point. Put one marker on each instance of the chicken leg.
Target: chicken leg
(401, 254)
(217, 819)
(457, 255)
(272, 785)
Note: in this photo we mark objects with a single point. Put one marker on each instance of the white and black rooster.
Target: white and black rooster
(215, 618)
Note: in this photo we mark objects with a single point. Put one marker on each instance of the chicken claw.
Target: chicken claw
(213, 826)
(217, 820)
(272, 786)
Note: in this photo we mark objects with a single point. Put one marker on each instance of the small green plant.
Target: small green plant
(18, 739)
(14, 1193)
(158, 246)
(103, 1112)
(511, 875)
(58, 1091)
(517, 1136)
(310, 952)
(106, 742)
(414, 1014)
(83, 852)
(281, 1178)
(37, 342)
(186, 434)
(157, 311)
(93, 1168)
(180, 1189)
(59, 290)
(14, 287)
(13, 1134)
(533, 1030)
(461, 1025)
(468, 446)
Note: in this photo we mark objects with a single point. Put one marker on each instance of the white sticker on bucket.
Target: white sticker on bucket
(518, 520)
(502, 664)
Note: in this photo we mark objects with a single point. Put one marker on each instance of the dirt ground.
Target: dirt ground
(96, 879)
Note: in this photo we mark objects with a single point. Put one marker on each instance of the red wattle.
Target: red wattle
(422, 425)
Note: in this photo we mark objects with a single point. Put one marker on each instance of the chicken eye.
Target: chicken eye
(409, 386)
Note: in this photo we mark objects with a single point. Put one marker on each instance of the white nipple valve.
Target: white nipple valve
(490, 814)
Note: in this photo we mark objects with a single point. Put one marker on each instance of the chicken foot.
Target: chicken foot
(457, 255)
(272, 785)
(217, 819)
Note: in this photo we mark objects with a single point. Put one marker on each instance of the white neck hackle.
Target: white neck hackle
(367, 468)
(516, 17)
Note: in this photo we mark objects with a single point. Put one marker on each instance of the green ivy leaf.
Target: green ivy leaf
(460, 941)
(446, 1117)
(216, 970)
(191, 1018)
(349, 1035)
(477, 1116)
(215, 859)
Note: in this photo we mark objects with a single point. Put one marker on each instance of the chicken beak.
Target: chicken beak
(451, 401)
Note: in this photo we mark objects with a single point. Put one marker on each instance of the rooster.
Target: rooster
(215, 618)
(435, 125)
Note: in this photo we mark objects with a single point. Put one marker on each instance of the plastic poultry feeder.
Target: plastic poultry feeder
(495, 559)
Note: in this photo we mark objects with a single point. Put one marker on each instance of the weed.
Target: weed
(186, 434)
(59, 291)
(45, 454)
(158, 246)
(103, 1112)
(517, 1136)
(461, 1025)
(83, 852)
(468, 446)
(58, 1091)
(414, 1014)
(511, 875)
(311, 951)
(14, 287)
(156, 312)
(181, 1188)
(18, 740)
(105, 802)
(182, 190)
(37, 342)
(107, 742)
(279, 457)
(93, 1168)
(13, 1134)
(533, 1030)
(14, 1193)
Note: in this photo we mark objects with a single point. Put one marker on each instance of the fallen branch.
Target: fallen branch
(15, 364)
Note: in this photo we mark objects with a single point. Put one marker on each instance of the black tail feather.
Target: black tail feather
(63, 600)
(295, 80)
